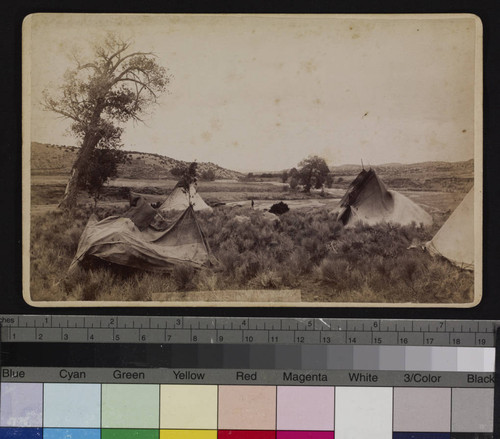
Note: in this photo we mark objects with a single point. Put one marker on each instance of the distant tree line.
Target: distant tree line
(180, 170)
(311, 173)
(252, 175)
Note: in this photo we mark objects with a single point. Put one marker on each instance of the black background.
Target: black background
(11, 16)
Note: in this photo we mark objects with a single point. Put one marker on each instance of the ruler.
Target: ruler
(237, 330)
(410, 372)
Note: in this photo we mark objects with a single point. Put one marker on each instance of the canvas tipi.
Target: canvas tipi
(180, 198)
(455, 239)
(368, 201)
(119, 240)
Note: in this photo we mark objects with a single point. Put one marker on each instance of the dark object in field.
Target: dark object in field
(368, 201)
(156, 205)
(279, 208)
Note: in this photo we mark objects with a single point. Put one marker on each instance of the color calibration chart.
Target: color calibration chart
(231, 378)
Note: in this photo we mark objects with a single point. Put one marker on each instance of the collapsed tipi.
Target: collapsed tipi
(455, 239)
(130, 241)
(368, 201)
(181, 197)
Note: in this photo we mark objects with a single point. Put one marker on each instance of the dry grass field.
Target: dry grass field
(306, 249)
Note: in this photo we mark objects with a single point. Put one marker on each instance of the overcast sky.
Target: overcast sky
(263, 92)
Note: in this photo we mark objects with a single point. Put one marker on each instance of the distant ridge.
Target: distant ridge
(427, 176)
(47, 159)
(464, 168)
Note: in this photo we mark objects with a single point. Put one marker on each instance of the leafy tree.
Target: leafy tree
(178, 171)
(313, 172)
(294, 182)
(249, 177)
(284, 176)
(208, 175)
(101, 93)
(102, 166)
(293, 173)
(329, 180)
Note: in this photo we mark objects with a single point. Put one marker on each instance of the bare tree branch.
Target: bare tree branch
(132, 55)
(140, 83)
(62, 112)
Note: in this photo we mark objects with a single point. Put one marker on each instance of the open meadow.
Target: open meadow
(304, 249)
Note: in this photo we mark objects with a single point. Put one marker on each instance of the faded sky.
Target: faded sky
(263, 92)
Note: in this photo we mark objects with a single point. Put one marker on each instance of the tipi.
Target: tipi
(181, 198)
(367, 200)
(455, 239)
(120, 240)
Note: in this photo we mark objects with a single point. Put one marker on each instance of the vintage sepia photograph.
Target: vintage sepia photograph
(252, 160)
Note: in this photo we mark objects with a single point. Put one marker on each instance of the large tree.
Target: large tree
(101, 93)
(313, 172)
(102, 166)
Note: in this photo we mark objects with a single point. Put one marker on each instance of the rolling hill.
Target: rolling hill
(49, 159)
(426, 176)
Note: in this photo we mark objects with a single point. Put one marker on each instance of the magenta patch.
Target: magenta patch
(305, 435)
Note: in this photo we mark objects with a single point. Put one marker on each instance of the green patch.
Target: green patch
(129, 433)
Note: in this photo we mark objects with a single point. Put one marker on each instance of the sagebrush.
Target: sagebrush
(304, 249)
